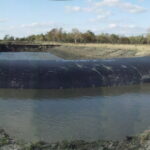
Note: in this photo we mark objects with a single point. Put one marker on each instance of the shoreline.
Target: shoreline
(140, 142)
(80, 51)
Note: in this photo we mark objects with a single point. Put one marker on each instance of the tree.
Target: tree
(76, 35)
(103, 38)
(148, 38)
(124, 40)
(114, 38)
(55, 35)
(89, 37)
(8, 38)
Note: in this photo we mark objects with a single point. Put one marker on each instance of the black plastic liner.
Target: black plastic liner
(62, 74)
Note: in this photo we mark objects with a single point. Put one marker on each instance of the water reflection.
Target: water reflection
(28, 56)
(50, 94)
(89, 114)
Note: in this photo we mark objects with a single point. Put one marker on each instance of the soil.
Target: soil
(140, 142)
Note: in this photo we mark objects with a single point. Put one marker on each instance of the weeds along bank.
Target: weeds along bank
(140, 142)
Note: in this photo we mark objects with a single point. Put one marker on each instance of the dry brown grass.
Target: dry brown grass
(94, 51)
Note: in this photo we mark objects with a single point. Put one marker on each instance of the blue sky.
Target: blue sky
(25, 17)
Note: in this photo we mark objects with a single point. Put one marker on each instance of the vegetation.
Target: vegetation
(80, 50)
(75, 36)
(96, 51)
(79, 45)
(140, 142)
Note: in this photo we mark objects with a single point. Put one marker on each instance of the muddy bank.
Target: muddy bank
(140, 142)
(26, 47)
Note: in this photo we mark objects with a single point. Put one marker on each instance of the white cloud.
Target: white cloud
(78, 9)
(127, 6)
(112, 25)
(122, 26)
(125, 29)
(28, 29)
(96, 6)
(73, 8)
(3, 20)
(132, 8)
(102, 16)
(103, 11)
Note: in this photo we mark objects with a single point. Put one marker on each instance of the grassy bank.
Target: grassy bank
(94, 51)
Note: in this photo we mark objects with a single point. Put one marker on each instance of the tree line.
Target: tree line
(75, 36)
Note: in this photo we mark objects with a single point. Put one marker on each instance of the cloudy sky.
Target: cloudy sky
(25, 17)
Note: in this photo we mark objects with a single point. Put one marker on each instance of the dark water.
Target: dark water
(27, 56)
(89, 114)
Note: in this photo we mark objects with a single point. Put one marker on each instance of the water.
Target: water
(81, 114)
(87, 114)
(27, 56)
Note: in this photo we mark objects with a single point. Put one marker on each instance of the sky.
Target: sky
(21, 18)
